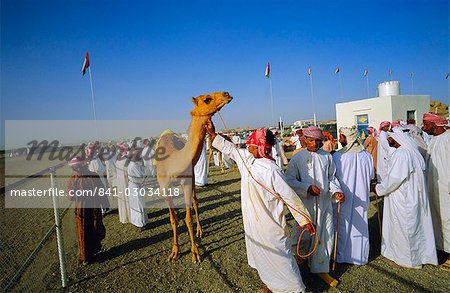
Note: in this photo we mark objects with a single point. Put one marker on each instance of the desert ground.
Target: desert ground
(137, 261)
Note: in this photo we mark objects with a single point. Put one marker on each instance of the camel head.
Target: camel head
(207, 105)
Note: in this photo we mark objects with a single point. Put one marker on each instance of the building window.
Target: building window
(411, 114)
(362, 122)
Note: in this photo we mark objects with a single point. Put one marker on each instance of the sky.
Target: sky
(148, 58)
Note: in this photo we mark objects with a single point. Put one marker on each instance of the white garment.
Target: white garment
(97, 166)
(354, 172)
(147, 156)
(276, 154)
(236, 139)
(438, 179)
(384, 151)
(268, 247)
(408, 237)
(111, 169)
(416, 134)
(136, 175)
(227, 162)
(296, 141)
(426, 137)
(123, 204)
(201, 169)
(316, 168)
(216, 158)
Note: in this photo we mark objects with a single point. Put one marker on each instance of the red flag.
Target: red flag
(309, 70)
(337, 70)
(85, 64)
(366, 72)
(267, 73)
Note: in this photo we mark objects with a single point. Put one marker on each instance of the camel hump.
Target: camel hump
(170, 140)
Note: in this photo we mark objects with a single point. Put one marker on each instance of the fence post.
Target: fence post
(59, 236)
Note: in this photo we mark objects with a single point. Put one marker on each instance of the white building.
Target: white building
(389, 105)
(303, 123)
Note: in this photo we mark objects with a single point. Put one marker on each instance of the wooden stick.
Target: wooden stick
(336, 236)
(379, 215)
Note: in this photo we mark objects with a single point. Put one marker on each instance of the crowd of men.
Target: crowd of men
(406, 165)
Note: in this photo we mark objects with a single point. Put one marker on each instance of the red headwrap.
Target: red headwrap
(313, 132)
(436, 119)
(123, 148)
(258, 139)
(395, 123)
(372, 131)
(77, 161)
(385, 123)
(328, 136)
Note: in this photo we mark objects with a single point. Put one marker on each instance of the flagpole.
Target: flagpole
(340, 84)
(312, 99)
(367, 80)
(93, 102)
(412, 83)
(271, 98)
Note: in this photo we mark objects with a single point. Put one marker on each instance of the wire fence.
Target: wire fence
(28, 246)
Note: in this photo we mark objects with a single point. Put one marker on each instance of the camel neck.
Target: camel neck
(196, 135)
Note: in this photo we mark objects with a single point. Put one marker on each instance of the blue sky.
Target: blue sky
(148, 58)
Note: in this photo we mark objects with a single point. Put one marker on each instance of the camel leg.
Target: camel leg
(221, 163)
(175, 253)
(199, 233)
(210, 155)
(188, 188)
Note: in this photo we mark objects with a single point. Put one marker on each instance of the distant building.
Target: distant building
(303, 123)
(389, 105)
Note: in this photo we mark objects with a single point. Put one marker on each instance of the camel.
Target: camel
(178, 168)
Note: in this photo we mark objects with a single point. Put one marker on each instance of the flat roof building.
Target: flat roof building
(389, 105)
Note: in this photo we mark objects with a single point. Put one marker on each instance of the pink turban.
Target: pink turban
(123, 148)
(395, 123)
(433, 118)
(77, 161)
(258, 139)
(372, 131)
(313, 132)
(385, 123)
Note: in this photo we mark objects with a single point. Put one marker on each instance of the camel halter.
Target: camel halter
(313, 234)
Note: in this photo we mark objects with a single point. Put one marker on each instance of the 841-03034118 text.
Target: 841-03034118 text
(133, 191)
(149, 191)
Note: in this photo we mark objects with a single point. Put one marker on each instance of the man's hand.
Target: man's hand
(314, 190)
(210, 129)
(340, 196)
(310, 228)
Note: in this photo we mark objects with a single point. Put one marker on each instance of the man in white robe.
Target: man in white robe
(268, 247)
(148, 154)
(123, 204)
(136, 177)
(295, 139)
(416, 134)
(201, 168)
(110, 162)
(354, 170)
(383, 150)
(438, 179)
(97, 166)
(278, 152)
(311, 173)
(408, 237)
